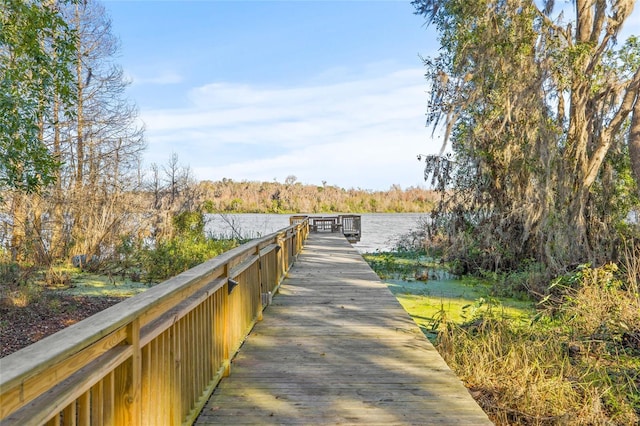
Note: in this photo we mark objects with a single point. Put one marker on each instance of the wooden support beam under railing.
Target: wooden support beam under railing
(154, 358)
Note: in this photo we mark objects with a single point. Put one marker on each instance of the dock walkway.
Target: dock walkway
(336, 347)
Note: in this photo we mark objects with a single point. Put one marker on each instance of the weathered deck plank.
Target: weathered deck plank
(336, 347)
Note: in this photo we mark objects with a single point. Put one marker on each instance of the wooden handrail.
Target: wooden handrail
(154, 358)
(348, 224)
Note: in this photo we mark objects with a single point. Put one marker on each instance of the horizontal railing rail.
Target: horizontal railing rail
(155, 358)
(348, 224)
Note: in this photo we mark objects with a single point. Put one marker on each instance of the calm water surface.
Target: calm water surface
(380, 231)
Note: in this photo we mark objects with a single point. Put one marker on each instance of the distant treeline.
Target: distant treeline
(295, 197)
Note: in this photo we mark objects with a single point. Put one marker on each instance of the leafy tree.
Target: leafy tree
(634, 142)
(36, 48)
(72, 124)
(536, 108)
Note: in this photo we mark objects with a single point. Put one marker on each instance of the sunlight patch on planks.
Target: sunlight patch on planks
(336, 347)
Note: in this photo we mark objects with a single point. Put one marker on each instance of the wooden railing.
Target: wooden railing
(348, 224)
(155, 358)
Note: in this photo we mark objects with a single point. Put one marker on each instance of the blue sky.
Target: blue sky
(327, 91)
(259, 90)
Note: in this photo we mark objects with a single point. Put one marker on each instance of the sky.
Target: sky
(327, 91)
(331, 92)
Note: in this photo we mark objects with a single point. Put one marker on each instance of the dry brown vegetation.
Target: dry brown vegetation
(296, 197)
(577, 363)
(541, 104)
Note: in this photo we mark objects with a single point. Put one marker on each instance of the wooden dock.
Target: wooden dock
(348, 225)
(336, 347)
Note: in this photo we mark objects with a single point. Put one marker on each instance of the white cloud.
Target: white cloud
(359, 133)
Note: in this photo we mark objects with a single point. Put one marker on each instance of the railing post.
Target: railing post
(279, 257)
(175, 376)
(226, 324)
(128, 382)
(260, 307)
(146, 379)
(300, 239)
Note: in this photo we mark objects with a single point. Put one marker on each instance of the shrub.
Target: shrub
(56, 277)
(531, 280)
(577, 363)
(174, 256)
(186, 249)
(17, 284)
(10, 274)
(401, 264)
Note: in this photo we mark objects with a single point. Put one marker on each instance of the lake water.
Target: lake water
(380, 231)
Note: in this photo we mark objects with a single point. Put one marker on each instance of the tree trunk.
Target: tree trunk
(18, 215)
(78, 204)
(575, 193)
(57, 248)
(634, 143)
(79, 109)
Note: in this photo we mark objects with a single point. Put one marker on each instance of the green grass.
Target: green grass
(459, 300)
(573, 361)
(87, 284)
(442, 296)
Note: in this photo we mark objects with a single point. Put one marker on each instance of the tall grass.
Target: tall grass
(577, 363)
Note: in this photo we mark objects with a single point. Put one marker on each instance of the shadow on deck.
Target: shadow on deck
(336, 347)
